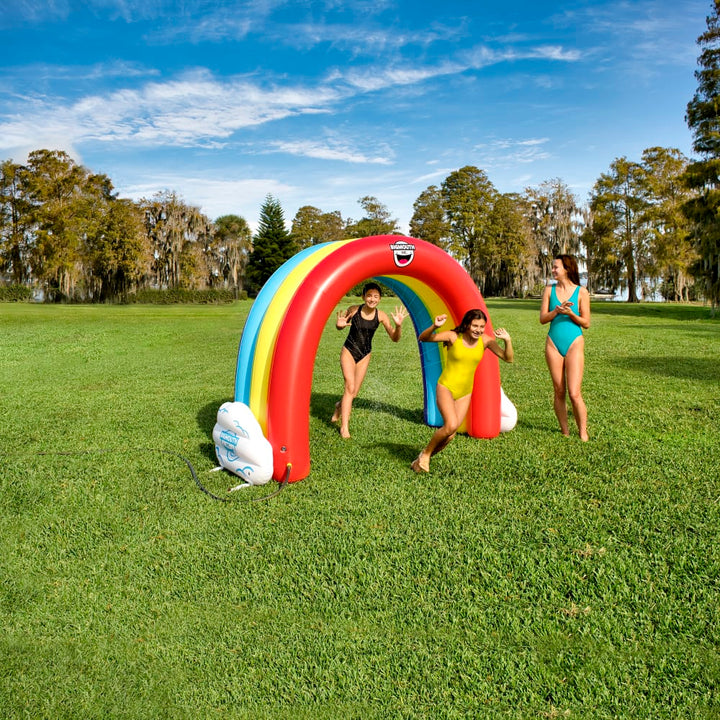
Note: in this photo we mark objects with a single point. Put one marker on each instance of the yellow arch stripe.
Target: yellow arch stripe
(432, 302)
(270, 327)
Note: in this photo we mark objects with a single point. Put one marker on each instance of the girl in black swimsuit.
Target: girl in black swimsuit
(363, 320)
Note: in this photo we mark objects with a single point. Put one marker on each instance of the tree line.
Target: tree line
(65, 233)
(650, 225)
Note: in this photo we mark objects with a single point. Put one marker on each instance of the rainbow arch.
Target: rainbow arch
(282, 332)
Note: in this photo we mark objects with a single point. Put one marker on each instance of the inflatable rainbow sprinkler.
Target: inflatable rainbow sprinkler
(265, 432)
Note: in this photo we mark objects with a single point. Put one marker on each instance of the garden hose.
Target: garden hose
(194, 474)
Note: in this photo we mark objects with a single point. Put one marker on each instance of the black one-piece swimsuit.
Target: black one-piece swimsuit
(359, 339)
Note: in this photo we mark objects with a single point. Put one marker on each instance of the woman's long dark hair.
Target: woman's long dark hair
(468, 317)
(571, 267)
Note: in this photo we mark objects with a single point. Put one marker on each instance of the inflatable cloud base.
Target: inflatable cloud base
(240, 445)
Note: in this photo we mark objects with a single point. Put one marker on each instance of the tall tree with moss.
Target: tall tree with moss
(230, 249)
(703, 176)
(619, 204)
(272, 245)
(553, 216)
(428, 221)
(312, 226)
(15, 224)
(469, 197)
(377, 220)
(671, 247)
(53, 184)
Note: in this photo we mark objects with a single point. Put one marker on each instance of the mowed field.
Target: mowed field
(527, 576)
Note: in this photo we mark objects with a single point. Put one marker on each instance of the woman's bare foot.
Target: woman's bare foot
(344, 433)
(336, 415)
(420, 464)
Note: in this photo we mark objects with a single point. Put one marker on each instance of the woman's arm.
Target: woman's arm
(398, 316)
(546, 315)
(429, 334)
(344, 318)
(583, 318)
(504, 353)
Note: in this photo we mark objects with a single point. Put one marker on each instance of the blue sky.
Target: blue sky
(322, 103)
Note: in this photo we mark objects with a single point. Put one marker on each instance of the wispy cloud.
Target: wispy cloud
(200, 109)
(505, 153)
(195, 109)
(372, 78)
(441, 173)
(330, 151)
(363, 40)
(213, 196)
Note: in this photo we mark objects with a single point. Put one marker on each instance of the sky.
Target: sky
(323, 103)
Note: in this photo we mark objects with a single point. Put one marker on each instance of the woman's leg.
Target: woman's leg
(556, 365)
(574, 368)
(453, 413)
(353, 374)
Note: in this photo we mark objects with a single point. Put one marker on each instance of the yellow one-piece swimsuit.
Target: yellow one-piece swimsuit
(459, 372)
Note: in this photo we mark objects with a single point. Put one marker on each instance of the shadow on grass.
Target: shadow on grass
(402, 451)
(705, 369)
(206, 418)
(322, 406)
(672, 311)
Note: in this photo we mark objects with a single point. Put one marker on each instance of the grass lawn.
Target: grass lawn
(528, 576)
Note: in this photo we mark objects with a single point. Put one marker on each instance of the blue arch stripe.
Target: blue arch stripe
(430, 361)
(248, 339)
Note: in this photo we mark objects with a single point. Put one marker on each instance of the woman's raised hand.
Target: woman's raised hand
(399, 315)
(342, 319)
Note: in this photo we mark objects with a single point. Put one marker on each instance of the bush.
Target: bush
(212, 296)
(15, 293)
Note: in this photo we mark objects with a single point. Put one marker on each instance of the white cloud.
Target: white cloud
(432, 176)
(214, 197)
(329, 151)
(372, 79)
(193, 110)
(505, 153)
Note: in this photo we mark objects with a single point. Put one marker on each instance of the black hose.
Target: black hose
(178, 455)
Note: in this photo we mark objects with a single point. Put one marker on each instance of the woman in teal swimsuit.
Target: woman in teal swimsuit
(566, 306)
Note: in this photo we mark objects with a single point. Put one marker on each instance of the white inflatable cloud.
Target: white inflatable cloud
(240, 445)
(508, 413)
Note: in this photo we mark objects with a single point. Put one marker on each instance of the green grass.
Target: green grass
(528, 576)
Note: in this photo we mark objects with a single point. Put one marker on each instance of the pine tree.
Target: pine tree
(272, 245)
(703, 119)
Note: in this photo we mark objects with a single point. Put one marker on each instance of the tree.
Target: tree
(311, 226)
(619, 205)
(509, 266)
(272, 245)
(118, 254)
(604, 267)
(428, 221)
(703, 176)
(62, 196)
(671, 249)
(178, 234)
(468, 199)
(553, 217)
(377, 220)
(15, 225)
(232, 244)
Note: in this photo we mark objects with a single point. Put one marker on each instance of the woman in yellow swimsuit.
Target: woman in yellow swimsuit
(466, 345)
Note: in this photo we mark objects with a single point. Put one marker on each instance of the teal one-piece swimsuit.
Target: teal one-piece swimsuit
(563, 331)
